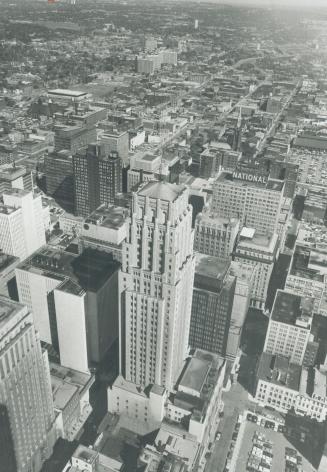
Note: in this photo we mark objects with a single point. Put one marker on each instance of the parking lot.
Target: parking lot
(259, 447)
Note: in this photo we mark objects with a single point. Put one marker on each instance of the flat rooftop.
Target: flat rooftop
(87, 271)
(227, 177)
(7, 260)
(201, 374)
(67, 93)
(300, 264)
(195, 374)
(279, 371)
(290, 308)
(210, 266)
(66, 383)
(8, 309)
(254, 240)
(112, 217)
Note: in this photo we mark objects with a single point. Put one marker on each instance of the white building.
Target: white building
(21, 223)
(259, 251)
(156, 284)
(289, 326)
(194, 405)
(74, 301)
(307, 276)
(284, 386)
(253, 199)
(105, 229)
(27, 427)
(71, 399)
(215, 236)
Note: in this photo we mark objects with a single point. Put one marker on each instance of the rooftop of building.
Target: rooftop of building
(279, 371)
(85, 454)
(309, 263)
(210, 266)
(251, 239)
(112, 216)
(7, 260)
(8, 309)
(161, 190)
(213, 219)
(250, 179)
(66, 383)
(87, 271)
(12, 173)
(175, 441)
(200, 375)
(292, 309)
(67, 93)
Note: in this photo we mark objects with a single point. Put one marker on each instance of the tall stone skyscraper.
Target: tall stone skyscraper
(27, 419)
(156, 283)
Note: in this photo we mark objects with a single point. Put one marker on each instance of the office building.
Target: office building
(86, 459)
(287, 172)
(307, 276)
(105, 229)
(25, 392)
(60, 179)
(213, 296)
(71, 399)
(260, 252)
(289, 326)
(15, 177)
(74, 138)
(242, 295)
(116, 142)
(8, 286)
(286, 386)
(192, 411)
(215, 236)
(74, 301)
(21, 223)
(156, 284)
(252, 198)
(7, 446)
(97, 179)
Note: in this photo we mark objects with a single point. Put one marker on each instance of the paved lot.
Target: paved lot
(279, 442)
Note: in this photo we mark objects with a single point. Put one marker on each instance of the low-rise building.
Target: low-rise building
(285, 386)
(70, 392)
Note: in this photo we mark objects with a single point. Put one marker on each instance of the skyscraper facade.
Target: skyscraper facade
(21, 223)
(25, 390)
(213, 295)
(156, 283)
(97, 178)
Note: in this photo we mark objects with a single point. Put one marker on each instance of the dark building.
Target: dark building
(213, 295)
(60, 179)
(286, 171)
(97, 179)
(7, 448)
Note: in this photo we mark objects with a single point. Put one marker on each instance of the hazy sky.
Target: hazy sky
(285, 3)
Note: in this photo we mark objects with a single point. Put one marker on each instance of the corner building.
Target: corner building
(251, 198)
(156, 283)
(25, 392)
